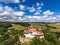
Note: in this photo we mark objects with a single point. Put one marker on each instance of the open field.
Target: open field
(18, 27)
(56, 26)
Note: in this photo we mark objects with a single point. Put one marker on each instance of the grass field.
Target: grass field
(57, 25)
(18, 27)
(38, 25)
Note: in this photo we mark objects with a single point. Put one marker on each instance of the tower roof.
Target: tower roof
(31, 26)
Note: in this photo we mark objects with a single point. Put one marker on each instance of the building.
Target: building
(31, 32)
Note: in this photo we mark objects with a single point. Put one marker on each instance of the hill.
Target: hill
(53, 27)
(10, 33)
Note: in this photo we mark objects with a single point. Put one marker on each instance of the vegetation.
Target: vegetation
(10, 32)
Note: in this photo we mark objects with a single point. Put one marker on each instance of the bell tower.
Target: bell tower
(30, 27)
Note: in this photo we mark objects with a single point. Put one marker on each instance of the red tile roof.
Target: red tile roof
(31, 29)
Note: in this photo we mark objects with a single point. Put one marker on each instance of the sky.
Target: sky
(30, 10)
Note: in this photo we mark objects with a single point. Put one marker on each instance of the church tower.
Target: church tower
(30, 27)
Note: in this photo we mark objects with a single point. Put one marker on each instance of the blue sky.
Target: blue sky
(30, 10)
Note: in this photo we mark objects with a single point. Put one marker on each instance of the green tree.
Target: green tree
(36, 41)
(52, 38)
(45, 42)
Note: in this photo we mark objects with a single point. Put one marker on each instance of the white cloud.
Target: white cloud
(39, 8)
(0, 18)
(31, 17)
(45, 16)
(5, 10)
(8, 9)
(20, 13)
(32, 9)
(37, 4)
(1, 9)
(10, 1)
(37, 13)
(17, 1)
(54, 18)
(35, 9)
(22, 7)
(48, 12)
(4, 13)
(9, 14)
(38, 19)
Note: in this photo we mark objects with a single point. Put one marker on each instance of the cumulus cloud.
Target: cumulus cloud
(8, 9)
(48, 12)
(39, 4)
(9, 14)
(35, 9)
(10, 1)
(38, 19)
(34, 17)
(4, 13)
(37, 13)
(5, 10)
(1, 9)
(39, 7)
(31, 9)
(20, 13)
(22, 7)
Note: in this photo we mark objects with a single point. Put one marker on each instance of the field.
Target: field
(18, 27)
(53, 27)
(57, 25)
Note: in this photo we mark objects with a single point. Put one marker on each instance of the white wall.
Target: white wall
(29, 35)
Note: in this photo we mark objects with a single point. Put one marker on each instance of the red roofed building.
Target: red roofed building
(31, 32)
